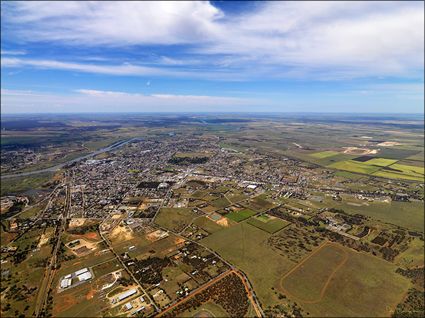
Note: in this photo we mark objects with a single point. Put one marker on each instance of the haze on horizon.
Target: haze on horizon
(218, 56)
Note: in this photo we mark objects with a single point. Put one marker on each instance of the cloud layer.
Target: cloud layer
(88, 100)
(325, 40)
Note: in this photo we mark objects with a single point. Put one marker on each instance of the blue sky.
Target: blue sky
(212, 56)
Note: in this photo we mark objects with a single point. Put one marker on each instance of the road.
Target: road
(108, 243)
(42, 296)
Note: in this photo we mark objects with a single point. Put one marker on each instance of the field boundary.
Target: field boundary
(325, 286)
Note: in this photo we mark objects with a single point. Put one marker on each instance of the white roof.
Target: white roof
(128, 306)
(84, 276)
(83, 270)
(66, 282)
(127, 294)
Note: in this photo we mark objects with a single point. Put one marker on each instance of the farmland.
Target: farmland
(174, 218)
(250, 252)
(240, 215)
(353, 285)
(267, 223)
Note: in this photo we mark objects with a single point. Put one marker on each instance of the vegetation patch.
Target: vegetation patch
(324, 154)
(174, 218)
(268, 223)
(240, 215)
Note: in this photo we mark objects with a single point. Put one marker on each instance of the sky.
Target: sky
(217, 56)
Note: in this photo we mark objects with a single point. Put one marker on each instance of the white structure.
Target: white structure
(128, 293)
(66, 282)
(81, 271)
(252, 186)
(128, 306)
(84, 276)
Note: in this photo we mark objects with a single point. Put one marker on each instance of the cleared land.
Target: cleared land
(354, 166)
(246, 247)
(364, 286)
(324, 154)
(267, 223)
(308, 281)
(174, 218)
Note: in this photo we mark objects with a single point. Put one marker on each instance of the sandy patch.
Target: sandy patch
(389, 144)
(63, 303)
(179, 241)
(223, 222)
(359, 151)
(90, 294)
(91, 236)
(43, 240)
(76, 222)
(122, 232)
(156, 235)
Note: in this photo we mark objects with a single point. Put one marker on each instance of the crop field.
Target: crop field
(399, 171)
(339, 282)
(220, 203)
(259, 204)
(268, 223)
(246, 247)
(241, 215)
(174, 218)
(324, 154)
(354, 166)
(381, 162)
(406, 214)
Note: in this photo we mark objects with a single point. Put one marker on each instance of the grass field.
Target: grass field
(382, 162)
(399, 171)
(354, 166)
(308, 282)
(246, 247)
(220, 203)
(240, 215)
(364, 286)
(174, 218)
(267, 223)
(406, 214)
(413, 256)
(324, 154)
(207, 224)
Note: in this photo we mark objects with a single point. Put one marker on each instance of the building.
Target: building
(128, 306)
(128, 293)
(81, 271)
(66, 282)
(84, 276)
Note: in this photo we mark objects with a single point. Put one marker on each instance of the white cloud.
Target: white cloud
(87, 100)
(327, 40)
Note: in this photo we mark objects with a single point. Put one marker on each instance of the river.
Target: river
(61, 165)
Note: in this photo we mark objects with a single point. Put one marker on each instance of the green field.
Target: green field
(246, 247)
(308, 281)
(413, 256)
(399, 171)
(268, 224)
(406, 214)
(364, 286)
(240, 215)
(381, 162)
(174, 218)
(354, 166)
(220, 203)
(324, 154)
